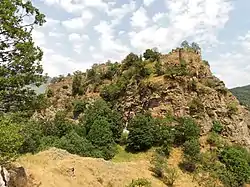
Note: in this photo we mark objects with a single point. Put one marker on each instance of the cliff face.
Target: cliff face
(185, 87)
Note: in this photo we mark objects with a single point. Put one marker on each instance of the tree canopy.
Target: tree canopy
(19, 57)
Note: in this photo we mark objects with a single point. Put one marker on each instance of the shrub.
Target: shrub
(79, 107)
(186, 130)
(236, 160)
(214, 139)
(124, 138)
(188, 165)
(152, 55)
(111, 92)
(77, 83)
(141, 182)
(217, 127)
(101, 136)
(158, 163)
(192, 148)
(170, 176)
(141, 133)
(101, 109)
(10, 137)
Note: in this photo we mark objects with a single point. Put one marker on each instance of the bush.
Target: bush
(77, 84)
(79, 107)
(186, 130)
(170, 176)
(10, 137)
(141, 182)
(141, 133)
(124, 138)
(214, 139)
(101, 109)
(192, 148)
(158, 163)
(101, 136)
(217, 127)
(111, 92)
(188, 165)
(152, 55)
(236, 160)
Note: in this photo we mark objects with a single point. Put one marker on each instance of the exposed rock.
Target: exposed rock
(18, 177)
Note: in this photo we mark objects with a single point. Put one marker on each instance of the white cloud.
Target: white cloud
(140, 18)
(148, 2)
(245, 41)
(50, 22)
(112, 48)
(74, 37)
(119, 13)
(39, 37)
(159, 16)
(199, 20)
(78, 22)
(91, 48)
(56, 34)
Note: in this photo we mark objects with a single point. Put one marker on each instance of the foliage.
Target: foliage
(152, 55)
(10, 137)
(192, 148)
(242, 94)
(77, 84)
(141, 182)
(79, 107)
(217, 127)
(141, 133)
(179, 70)
(19, 57)
(187, 130)
(100, 109)
(214, 139)
(170, 176)
(124, 138)
(159, 163)
(237, 162)
(111, 92)
(130, 60)
(188, 165)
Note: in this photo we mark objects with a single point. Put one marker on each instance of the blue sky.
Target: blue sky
(79, 33)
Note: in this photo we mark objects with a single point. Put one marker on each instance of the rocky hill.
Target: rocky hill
(177, 84)
(242, 94)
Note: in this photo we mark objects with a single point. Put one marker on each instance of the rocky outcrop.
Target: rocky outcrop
(186, 88)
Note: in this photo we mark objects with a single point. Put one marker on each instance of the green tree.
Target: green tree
(10, 137)
(77, 84)
(19, 57)
(101, 109)
(141, 133)
(185, 44)
(152, 55)
(101, 136)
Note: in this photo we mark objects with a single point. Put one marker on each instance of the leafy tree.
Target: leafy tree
(130, 60)
(79, 107)
(77, 84)
(101, 109)
(19, 57)
(111, 92)
(141, 133)
(152, 55)
(185, 44)
(195, 47)
(10, 137)
(101, 136)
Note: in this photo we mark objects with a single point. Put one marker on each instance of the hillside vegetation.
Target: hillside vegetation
(150, 120)
(243, 95)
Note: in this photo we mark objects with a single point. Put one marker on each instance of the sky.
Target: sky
(79, 33)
